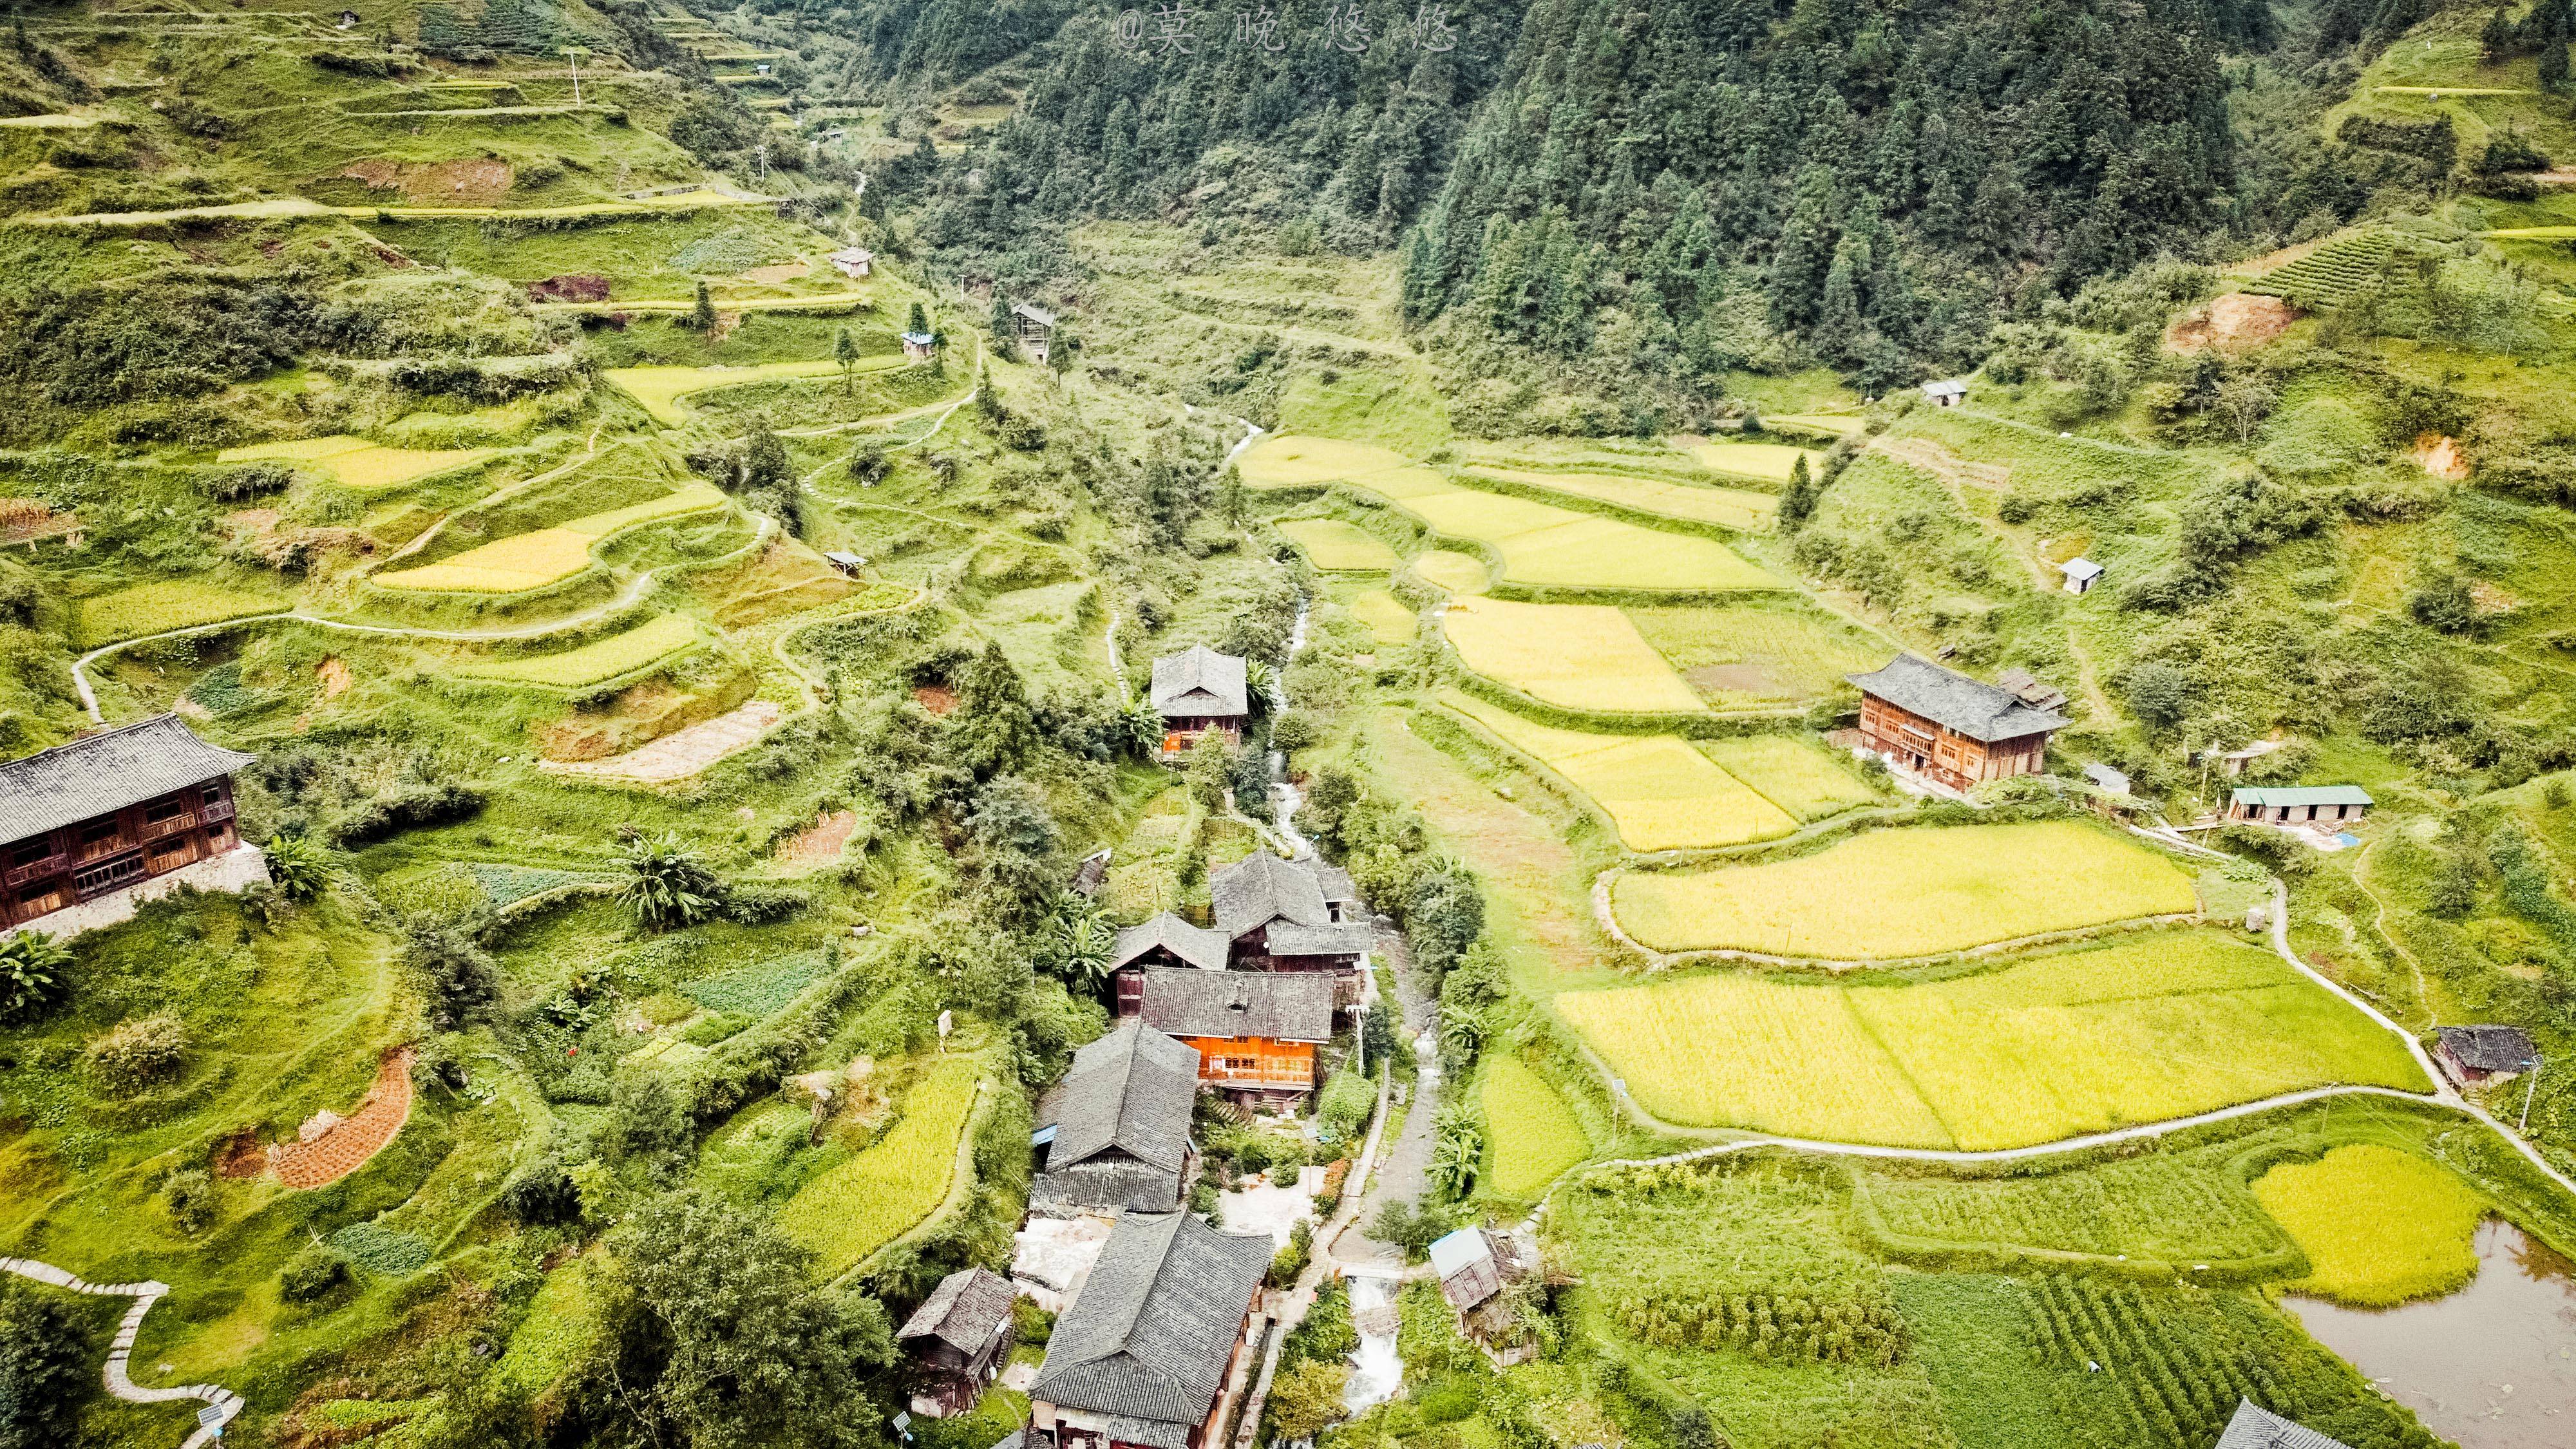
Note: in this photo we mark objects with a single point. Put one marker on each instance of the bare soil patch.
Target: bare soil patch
(241, 1155)
(771, 276)
(821, 842)
(474, 181)
(2439, 455)
(333, 673)
(939, 699)
(570, 287)
(2235, 322)
(1730, 678)
(332, 1149)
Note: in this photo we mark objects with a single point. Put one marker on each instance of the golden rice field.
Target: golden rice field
(533, 560)
(172, 604)
(1759, 652)
(1771, 462)
(1658, 791)
(1841, 425)
(2379, 1226)
(2142, 1029)
(1531, 1136)
(1338, 547)
(1541, 545)
(1738, 508)
(1388, 620)
(657, 641)
(1457, 573)
(1582, 656)
(660, 389)
(357, 463)
(1888, 894)
(1794, 774)
(887, 1190)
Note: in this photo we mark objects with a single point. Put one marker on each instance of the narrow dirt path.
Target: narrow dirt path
(2379, 928)
(224, 1402)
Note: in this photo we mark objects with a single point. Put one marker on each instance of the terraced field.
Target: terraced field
(1770, 462)
(2324, 277)
(1658, 791)
(1336, 546)
(1740, 509)
(1582, 656)
(658, 641)
(660, 389)
(357, 463)
(528, 561)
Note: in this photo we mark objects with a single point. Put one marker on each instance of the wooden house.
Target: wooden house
(1159, 1346)
(956, 1341)
(1115, 1133)
(1198, 690)
(2298, 804)
(2478, 1056)
(1942, 724)
(2254, 1427)
(1255, 1032)
(919, 345)
(89, 828)
(1036, 327)
(853, 261)
(1474, 1266)
(1293, 915)
(1166, 941)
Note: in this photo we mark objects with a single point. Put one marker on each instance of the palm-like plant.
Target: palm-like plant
(1462, 1031)
(1079, 939)
(1457, 1153)
(298, 865)
(1142, 725)
(32, 967)
(1260, 686)
(667, 885)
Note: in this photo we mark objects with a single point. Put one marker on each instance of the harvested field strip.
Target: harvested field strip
(1790, 773)
(2142, 1029)
(1758, 651)
(549, 555)
(1840, 425)
(172, 604)
(1531, 1134)
(1658, 791)
(2379, 1226)
(815, 301)
(660, 389)
(887, 1190)
(1892, 894)
(357, 463)
(344, 1146)
(1582, 656)
(1771, 462)
(1335, 546)
(650, 645)
(1740, 509)
(679, 754)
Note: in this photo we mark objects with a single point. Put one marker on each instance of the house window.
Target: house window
(98, 830)
(1241, 1064)
(27, 852)
(169, 808)
(213, 794)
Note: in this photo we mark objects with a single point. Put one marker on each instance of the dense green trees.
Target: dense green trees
(44, 1366)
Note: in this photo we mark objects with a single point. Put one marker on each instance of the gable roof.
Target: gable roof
(1946, 387)
(1150, 1336)
(1337, 885)
(103, 772)
(965, 1311)
(1034, 313)
(853, 254)
(1462, 1249)
(2489, 1048)
(2080, 569)
(1260, 888)
(2269, 795)
(1198, 681)
(1955, 702)
(1343, 938)
(2257, 1428)
(1132, 1089)
(1277, 1005)
(1197, 945)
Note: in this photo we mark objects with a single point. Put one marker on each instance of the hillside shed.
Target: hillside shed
(2081, 574)
(1959, 731)
(1947, 392)
(1198, 690)
(2475, 1056)
(853, 261)
(919, 345)
(2298, 804)
(955, 1340)
(2257, 1428)
(1036, 327)
(847, 563)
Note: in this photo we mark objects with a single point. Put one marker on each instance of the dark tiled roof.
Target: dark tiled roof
(90, 777)
(1132, 1090)
(1108, 1183)
(2489, 1048)
(1203, 948)
(2255, 1428)
(1336, 883)
(1956, 702)
(1262, 887)
(1198, 681)
(1340, 939)
(1150, 1336)
(965, 1311)
(1088, 876)
(1278, 1005)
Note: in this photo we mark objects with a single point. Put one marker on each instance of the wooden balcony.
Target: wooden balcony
(99, 879)
(51, 865)
(1298, 1076)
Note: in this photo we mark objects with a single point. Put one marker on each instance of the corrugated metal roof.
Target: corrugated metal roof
(2258, 1428)
(2270, 795)
(105, 772)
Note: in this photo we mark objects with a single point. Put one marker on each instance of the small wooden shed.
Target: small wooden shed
(955, 1340)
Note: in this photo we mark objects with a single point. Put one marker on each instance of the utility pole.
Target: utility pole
(572, 57)
(762, 154)
(2530, 1090)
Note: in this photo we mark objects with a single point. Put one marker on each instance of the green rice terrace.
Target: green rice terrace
(696, 701)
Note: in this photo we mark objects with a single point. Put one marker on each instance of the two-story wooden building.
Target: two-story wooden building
(1165, 940)
(1292, 915)
(1114, 1135)
(88, 828)
(1255, 1032)
(1198, 690)
(1944, 725)
(955, 1340)
(1157, 1349)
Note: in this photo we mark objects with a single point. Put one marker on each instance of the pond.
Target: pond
(2492, 1366)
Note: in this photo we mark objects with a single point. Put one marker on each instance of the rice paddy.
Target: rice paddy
(1457, 573)
(1770, 462)
(887, 1190)
(2143, 1029)
(1530, 1134)
(1889, 894)
(1740, 509)
(1388, 620)
(547, 555)
(1285, 460)
(654, 643)
(171, 604)
(660, 389)
(1658, 791)
(1761, 652)
(1793, 774)
(1581, 656)
(1338, 547)
(2379, 1226)
(357, 463)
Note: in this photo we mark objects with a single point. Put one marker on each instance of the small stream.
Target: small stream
(1376, 1373)
(2492, 1366)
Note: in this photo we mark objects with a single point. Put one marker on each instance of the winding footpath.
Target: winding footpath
(223, 1402)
